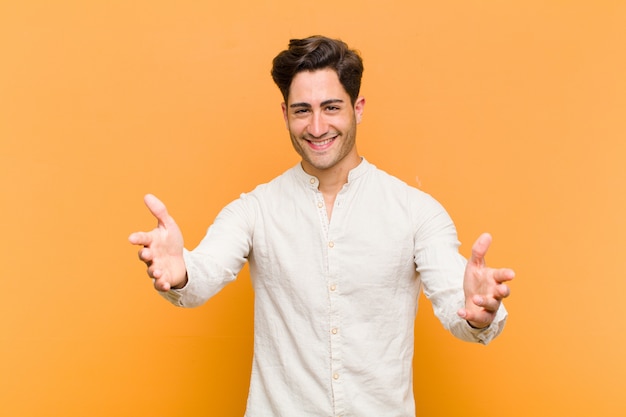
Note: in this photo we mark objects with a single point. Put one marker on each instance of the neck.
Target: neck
(333, 179)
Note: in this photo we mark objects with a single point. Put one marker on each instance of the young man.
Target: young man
(338, 253)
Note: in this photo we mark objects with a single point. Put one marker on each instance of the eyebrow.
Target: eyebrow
(322, 104)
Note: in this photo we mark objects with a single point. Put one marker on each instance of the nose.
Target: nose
(318, 126)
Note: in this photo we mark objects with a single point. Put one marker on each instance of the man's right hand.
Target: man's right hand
(162, 249)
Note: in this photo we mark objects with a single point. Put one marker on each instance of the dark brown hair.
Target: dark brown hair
(315, 53)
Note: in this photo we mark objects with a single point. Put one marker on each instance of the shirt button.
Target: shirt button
(331, 244)
(336, 376)
(320, 205)
(333, 287)
(312, 180)
(334, 331)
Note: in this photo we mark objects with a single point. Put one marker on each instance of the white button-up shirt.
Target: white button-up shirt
(335, 301)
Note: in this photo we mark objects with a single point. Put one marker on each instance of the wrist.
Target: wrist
(477, 326)
(182, 284)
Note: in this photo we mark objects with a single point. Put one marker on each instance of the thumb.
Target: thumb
(479, 249)
(158, 209)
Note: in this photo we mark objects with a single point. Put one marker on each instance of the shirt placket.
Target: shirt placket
(337, 376)
(334, 329)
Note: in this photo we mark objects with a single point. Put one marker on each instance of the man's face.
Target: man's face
(322, 121)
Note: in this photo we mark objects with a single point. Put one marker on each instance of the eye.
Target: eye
(301, 111)
(333, 108)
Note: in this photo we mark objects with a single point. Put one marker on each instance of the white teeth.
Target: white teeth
(324, 142)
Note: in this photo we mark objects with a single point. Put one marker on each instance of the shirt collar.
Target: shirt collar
(312, 182)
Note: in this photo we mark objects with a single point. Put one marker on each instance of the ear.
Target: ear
(283, 106)
(358, 108)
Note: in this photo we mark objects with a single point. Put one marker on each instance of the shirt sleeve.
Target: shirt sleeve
(441, 268)
(219, 257)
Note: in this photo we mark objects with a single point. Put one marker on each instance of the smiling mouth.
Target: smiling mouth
(321, 144)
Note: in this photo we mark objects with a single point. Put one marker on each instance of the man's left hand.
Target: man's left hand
(484, 287)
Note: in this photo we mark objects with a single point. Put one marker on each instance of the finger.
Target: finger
(479, 249)
(474, 319)
(140, 238)
(503, 275)
(161, 285)
(503, 291)
(145, 255)
(155, 273)
(158, 209)
(487, 303)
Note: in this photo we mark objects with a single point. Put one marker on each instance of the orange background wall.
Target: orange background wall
(512, 114)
